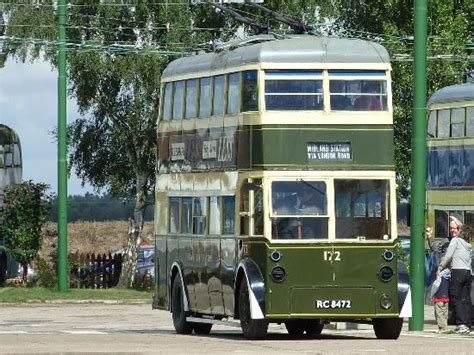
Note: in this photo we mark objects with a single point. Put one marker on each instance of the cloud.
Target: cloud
(28, 104)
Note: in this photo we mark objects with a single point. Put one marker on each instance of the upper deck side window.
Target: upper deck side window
(191, 96)
(249, 91)
(293, 90)
(167, 108)
(218, 97)
(178, 100)
(205, 95)
(16, 155)
(226, 94)
(358, 90)
(10, 155)
(455, 122)
(233, 93)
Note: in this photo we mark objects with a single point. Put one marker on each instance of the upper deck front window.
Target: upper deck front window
(293, 90)
(358, 91)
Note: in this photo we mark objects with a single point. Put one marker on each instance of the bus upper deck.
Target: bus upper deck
(219, 111)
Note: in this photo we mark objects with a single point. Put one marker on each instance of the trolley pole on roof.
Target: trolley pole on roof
(418, 168)
(62, 151)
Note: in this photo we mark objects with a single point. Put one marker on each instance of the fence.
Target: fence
(95, 271)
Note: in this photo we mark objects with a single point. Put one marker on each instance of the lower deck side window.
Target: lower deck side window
(201, 215)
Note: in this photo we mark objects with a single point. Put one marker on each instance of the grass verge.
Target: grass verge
(41, 294)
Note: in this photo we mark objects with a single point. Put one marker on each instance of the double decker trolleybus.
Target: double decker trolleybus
(10, 173)
(450, 157)
(275, 191)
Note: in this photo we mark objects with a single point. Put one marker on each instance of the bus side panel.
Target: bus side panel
(227, 272)
(204, 259)
(213, 271)
(161, 274)
(185, 254)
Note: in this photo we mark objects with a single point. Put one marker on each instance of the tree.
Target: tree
(115, 77)
(116, 54)
(450, 32)
(25, 211)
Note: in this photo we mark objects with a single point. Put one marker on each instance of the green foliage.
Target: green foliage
(113, 144)
(25, 211)
(47, 275)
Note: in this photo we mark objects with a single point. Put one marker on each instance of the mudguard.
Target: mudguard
(256, 287)
(185, 293)
(404, 294)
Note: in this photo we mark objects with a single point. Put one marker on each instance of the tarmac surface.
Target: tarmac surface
(116, 327)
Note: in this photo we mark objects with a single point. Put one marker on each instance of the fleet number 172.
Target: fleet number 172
(330, 255)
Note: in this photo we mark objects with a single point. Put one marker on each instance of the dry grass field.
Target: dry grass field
(105, 237)
(93, 237)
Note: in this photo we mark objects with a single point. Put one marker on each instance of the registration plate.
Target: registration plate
(333, 304)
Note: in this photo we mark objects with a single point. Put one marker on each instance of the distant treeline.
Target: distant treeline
(91, 207)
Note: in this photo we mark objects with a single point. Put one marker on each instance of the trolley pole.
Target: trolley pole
(418, 168)
(62, 151)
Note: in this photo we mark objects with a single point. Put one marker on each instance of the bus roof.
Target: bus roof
(303, 49)
(453, 93)
(8, 135)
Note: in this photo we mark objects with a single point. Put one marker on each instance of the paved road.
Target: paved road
(39, 328)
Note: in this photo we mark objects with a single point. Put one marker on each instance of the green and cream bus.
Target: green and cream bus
(275, 192)
(450, 157)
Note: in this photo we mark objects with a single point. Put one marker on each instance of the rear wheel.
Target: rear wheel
(202, 328)
(252, 328)
(177, 308)
(387, 328)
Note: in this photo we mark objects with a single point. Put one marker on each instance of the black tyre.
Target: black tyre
(202, 328)
(295, 327)
(177, 308)
(387, 328)
(253, 329)
(314, 327)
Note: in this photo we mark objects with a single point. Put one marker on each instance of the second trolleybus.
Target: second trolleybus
(10, 173)
(275, 192)
(450, 157)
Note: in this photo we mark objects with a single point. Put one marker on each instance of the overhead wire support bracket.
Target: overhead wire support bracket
(297, 26)
(248, 21)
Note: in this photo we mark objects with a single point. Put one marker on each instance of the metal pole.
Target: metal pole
(418, 166)
(62, 151)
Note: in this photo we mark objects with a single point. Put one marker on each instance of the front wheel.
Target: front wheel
(253, 329)
(177, 308)
(387, 328)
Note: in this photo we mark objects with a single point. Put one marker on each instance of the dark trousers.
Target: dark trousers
(460, 293)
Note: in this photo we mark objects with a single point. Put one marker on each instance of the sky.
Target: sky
(28, 104)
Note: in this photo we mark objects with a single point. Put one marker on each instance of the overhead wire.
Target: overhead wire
(139, 29)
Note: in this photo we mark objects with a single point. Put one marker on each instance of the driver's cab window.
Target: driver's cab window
(299, 210)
